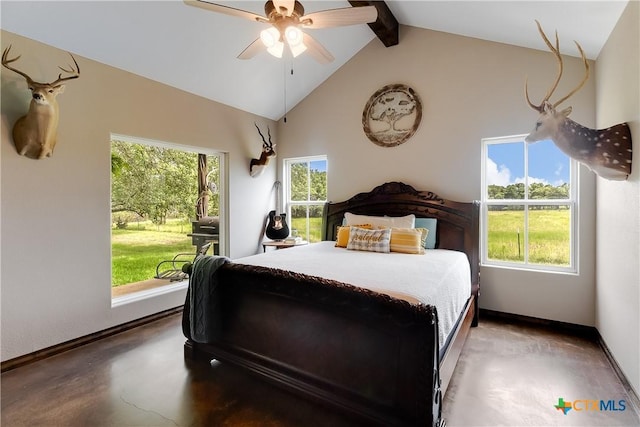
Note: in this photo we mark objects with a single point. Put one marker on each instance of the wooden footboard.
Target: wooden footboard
(355, 350)
(459, 336)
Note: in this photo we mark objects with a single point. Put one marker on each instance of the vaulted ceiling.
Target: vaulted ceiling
(195, 50)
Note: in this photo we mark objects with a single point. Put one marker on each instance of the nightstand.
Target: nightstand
(281, 244)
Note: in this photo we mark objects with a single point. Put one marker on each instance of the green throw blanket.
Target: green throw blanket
(204, 315)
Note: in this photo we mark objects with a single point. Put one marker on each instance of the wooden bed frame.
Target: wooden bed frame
(355, 350)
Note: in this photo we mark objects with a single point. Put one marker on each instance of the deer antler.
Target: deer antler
(584, 80)
(264, 142)
(556, 52)
(6, 61)
(269, 133)
(75, 71)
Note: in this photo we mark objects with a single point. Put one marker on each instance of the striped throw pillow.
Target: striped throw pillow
(408, 240)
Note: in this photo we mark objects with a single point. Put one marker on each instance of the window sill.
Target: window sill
(533, 268)
(149, 293)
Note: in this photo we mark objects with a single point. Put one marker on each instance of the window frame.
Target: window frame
(572, 201)
(288, 203)
(223, 191)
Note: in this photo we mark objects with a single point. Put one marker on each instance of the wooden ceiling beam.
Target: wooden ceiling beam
(386, 26)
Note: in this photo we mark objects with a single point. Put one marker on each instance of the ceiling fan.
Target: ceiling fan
(287, 20)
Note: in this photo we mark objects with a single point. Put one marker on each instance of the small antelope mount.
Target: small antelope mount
(35, 134)
(257, 166)
(607, 152)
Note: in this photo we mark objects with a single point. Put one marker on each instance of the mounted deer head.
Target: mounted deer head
(35, 134)
(607, 152)
(257, 166)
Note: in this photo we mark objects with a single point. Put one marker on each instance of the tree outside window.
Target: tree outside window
(306, 189)
(154, 193)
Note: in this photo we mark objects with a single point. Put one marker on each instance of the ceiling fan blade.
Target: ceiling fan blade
(340, 17)
(285, 6)
(252, 50)
(316, 50)
(225, 10)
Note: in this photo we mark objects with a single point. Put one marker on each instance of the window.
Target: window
(306, 194)
(154, 199)
(529, 197)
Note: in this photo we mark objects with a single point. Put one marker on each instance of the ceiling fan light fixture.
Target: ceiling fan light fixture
(287, 18)
(297, 49)
(277, 49)
(293, 35)
(270, 37)
(271, 40)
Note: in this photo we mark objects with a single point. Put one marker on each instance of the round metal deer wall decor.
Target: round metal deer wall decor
(392, 115)
(607, 152)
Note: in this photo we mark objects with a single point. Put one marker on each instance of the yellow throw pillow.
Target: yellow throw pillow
(408, 240)
(342, 238)
(425, 233)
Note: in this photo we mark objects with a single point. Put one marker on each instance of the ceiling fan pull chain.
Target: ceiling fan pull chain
(285, 91)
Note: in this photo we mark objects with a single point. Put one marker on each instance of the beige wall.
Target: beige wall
(55, 274)
(55, 219)
(470, 89)
(618, 203)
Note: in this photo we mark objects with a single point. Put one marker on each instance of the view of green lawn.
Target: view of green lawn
(549, 235)
(315, 228)
(137, 249)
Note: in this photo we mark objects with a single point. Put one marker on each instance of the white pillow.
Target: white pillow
(375, 221)
(407, 221)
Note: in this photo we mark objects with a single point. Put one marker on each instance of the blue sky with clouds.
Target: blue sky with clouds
(547, 164)
(319, 165)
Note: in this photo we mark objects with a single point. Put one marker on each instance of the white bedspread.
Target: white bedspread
(439, 277)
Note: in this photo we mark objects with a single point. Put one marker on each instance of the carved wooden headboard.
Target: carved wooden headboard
(458, 222)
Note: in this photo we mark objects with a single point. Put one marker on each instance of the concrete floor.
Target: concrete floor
(508, 375)
(512, 374)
